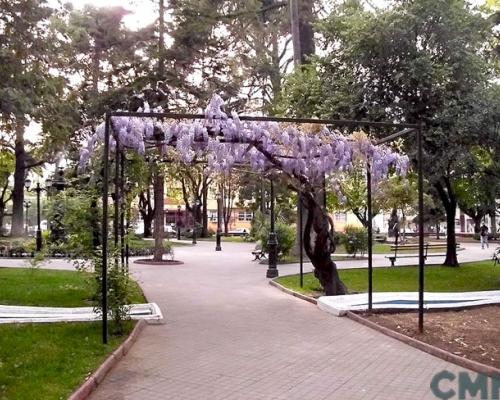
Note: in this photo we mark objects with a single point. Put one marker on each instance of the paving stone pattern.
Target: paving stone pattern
(228, 334)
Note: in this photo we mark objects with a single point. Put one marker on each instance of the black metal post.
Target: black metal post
(27, 205)
(104, 293)
(301, 239)
(122, 203)
(218, 246)
(38, 190)
(195, 209)
(272, 270)
(262, 200)
(127, 247)
(117, 194)
(178, 223)
(370, 235)
(420, 232)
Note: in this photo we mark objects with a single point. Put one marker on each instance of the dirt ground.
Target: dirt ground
(471, 333)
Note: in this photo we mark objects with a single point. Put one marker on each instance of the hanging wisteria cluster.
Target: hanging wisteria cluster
(225, 141)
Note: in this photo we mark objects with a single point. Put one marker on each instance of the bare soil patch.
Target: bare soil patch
(471, 333)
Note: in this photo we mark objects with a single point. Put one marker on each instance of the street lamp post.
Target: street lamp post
(218, 246)
(272, 270)
(56, 225)
(38, 190)
(27, 205)
(196, 204)
(178, 222)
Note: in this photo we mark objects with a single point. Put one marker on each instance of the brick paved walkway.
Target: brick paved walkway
(230, 335)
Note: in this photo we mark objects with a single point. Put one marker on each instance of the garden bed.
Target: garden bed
(472, 333)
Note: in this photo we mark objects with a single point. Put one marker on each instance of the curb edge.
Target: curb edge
(91, 383)
(301, 296)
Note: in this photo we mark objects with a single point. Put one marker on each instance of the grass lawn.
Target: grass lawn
(378, 248)
(49, 361)
(473, 276)
(232, 239)
(39, 287)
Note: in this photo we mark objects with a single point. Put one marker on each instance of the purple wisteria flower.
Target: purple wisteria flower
(227, 141)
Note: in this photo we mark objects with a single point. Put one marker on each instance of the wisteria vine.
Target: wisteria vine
(225, 141)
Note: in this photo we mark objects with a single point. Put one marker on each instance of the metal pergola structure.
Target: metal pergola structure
(404, 129)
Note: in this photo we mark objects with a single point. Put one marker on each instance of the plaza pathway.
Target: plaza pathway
(229, 335)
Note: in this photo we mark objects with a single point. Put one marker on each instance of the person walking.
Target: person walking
(484, 236)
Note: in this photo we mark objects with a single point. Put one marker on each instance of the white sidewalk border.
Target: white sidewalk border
(339, 305)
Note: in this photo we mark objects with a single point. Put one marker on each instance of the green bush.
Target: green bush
(285, 235)
(119, 291)
(257, 224)
(355, 240)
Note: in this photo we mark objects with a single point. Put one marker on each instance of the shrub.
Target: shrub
(257, 224)
(355, 240)
(119, 293)
(285, 234)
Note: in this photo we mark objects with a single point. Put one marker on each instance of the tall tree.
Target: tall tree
(30, 89)
(420, 61)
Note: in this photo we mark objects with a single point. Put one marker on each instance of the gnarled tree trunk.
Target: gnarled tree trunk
(450, 205)
(147, 212)
(318, 228)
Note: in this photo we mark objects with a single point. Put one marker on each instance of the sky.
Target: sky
(144, 12)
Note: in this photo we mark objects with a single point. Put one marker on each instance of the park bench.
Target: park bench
(415, 247)
(258, 254)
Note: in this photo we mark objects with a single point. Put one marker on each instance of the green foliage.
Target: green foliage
(355, 240)
(7, 162)
(285, 235)
(79, 221)
(80, 216)
(350, 194)
(29, 86)
(477, 189)
(302, 93)
(399, 192)
(119, 290)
